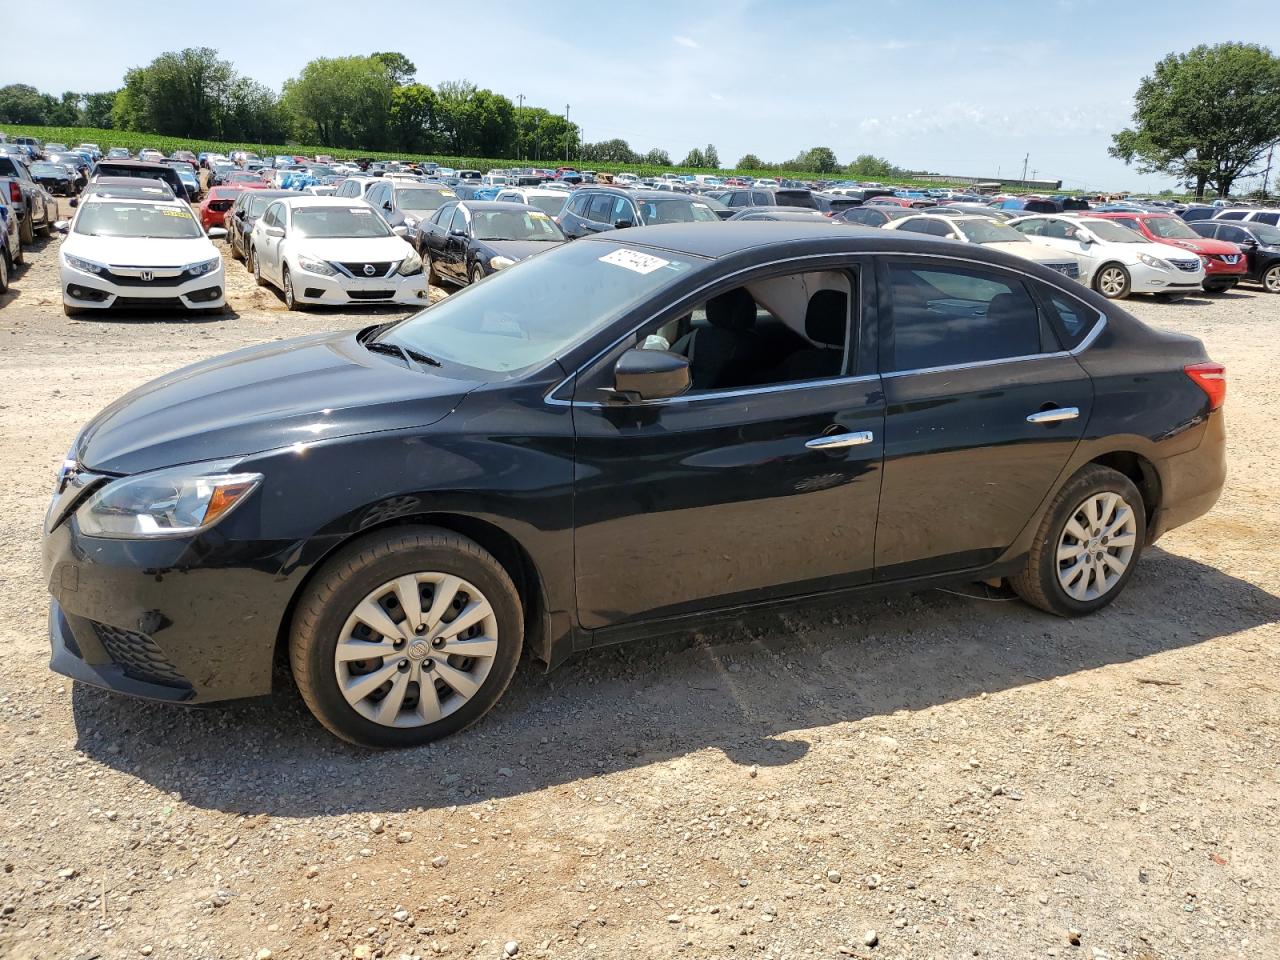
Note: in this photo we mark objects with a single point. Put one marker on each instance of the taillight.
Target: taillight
(15, 191)
(1212, 379)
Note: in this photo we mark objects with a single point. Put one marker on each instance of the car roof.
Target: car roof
(475, 205)
(312, 200)
(169, 201)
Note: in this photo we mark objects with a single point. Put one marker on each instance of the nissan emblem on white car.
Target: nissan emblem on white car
(368, 270)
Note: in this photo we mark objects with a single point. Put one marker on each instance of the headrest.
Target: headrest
(826, 318)
(732, 310)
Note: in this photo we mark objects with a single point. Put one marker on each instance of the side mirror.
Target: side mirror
(400, 230)
(458, 233)
(650, 375)
(61, 226)
(1248, 243)
(387, 206)
(622, 224)
(274, 232)
(217, 233)
(74, 201)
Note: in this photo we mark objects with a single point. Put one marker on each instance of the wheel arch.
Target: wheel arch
(1140, 470)
(549, 643)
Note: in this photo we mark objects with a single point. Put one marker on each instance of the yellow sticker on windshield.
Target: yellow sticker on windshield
(538, 215)
(447, 193)
(175, 213)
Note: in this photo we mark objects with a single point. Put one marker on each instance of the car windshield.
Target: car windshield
(1171, 228)
(122, 219)
(530, 313)
(675, 210)
(1114, 233)
(420, 199)
(1266, 233)
(47, 170)
(514, 225)
(322, 222)
(990, 231)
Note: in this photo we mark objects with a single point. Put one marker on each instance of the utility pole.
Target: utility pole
(567, 131)
(1024, 168)
(1266, 174)
(520, 127)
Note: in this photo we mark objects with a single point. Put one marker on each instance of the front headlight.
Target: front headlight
(316, 266)
(174, 502)
(410, 265)
(1155, 262)
(497, 263)
(200, 269)
(85, 266)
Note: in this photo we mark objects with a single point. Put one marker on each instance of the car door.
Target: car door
(454, 261)
(727, 496)
(596, 217)
(432, 233)
(984, 408)
(275, 218)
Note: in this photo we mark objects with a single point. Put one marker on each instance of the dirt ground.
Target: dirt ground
(924, 776)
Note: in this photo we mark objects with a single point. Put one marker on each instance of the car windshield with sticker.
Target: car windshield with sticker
(540, 308)
(331, 222)
(115, 218)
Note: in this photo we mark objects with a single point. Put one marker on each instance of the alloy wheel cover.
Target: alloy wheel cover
(1096, 546)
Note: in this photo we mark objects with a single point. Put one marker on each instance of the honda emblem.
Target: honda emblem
(368, 270)
(147, 275)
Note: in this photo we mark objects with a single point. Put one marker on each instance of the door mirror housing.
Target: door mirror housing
(650, 375)
(217, 233)
(458, 233)
(1083, 237)
(276, 232)
(61, 226)
(400, 230)
(622, 224)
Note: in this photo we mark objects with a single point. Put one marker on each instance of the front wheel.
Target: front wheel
(1087, 545)
(406, 637)
(256, 266)
(1113, 282)
(290, 298)
(1271, 279)
(476, 273)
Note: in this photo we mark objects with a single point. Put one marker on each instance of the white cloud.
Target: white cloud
(686, 41)
(715, 96)
(892, 45)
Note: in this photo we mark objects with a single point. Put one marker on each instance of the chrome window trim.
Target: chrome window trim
(1084, 344)
(717, 394)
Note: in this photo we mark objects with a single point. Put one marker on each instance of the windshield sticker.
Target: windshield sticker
(361, 213)
(634, 261)
(447, 193)
(701, 206)
(177, 213)
(538, 215)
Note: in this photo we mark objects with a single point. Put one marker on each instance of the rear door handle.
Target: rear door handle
(839, 440)
(1055, 415)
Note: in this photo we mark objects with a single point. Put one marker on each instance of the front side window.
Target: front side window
(444, 215)
(954, 315)
(459, 222)
(1232, 215)
(598, 211)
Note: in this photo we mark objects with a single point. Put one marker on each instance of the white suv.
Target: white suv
(1115, 260)
(130, 253)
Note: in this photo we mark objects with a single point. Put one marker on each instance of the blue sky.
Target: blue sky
(960, 88)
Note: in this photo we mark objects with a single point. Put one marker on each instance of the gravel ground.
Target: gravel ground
(925, 776)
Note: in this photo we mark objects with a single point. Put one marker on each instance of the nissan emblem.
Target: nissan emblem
(368, 270)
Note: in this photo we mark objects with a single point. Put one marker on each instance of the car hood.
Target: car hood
(140, 251)
(1032, 251)
(265, 397)
(1202, 246)
(349, 249)
(517, 249)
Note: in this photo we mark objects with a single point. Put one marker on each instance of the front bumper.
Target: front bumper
(345, 291)
(1145, 279)
(185, 620)
(89, 291)
(1221, 270)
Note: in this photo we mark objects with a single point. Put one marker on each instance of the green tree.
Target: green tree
(400, 68)
(869, 167)
(413, 117)
(694, 158)
(1205, 116)
(817, 160)
(22, 103)
(343, 101)
(541, 134)
(252, 112)
(609, 151)
(453, 98)
(97, 109)
(711, 156)
(490, 125)
(179, 93)
(750, 162)
(656, 158)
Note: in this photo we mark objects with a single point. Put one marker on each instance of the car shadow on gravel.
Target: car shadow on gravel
(758, 692)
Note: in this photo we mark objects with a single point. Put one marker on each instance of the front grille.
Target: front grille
(1226, 257)
(380, 268)
(148, 303)
(1071, 270)
(139, 657)
(125, 280)
(1188, 265)
(371, 294)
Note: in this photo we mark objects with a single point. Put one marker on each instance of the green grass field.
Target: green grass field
(134, 142)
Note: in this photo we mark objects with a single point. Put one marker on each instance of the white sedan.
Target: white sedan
(991, 234)
(130, 253)
(1115, 260)
(334, 250)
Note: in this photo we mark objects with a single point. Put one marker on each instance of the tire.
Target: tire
(369, 575)
(290, 298)
(17, 254)
(236, 252)
(26, 233)
(46, 228)
(1171, 297)
(4, 271)
(1113, 277)
(1070, 589)
(1271, 278)
(476, 273)
(256, 268)
(1217, 287)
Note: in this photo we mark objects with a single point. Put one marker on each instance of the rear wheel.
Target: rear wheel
(4, 271)
(1113, 281)
(236, 252)
(433, 278)
(26, 234)
(406, 637)
(1087, 545)
(1271, 278)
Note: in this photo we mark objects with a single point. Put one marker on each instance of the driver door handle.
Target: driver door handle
(836, 441)
(1055, 415)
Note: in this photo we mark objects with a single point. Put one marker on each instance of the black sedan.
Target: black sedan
(619, 438)
(57, 178)
(244, 213)
(464, 242)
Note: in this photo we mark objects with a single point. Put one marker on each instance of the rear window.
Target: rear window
(796, 198)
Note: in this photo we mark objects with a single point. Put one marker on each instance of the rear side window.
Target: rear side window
(1234, 215)
(1072, 320)
(1271, 218)
(954, 315)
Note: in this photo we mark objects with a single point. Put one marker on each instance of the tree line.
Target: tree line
(370, 103)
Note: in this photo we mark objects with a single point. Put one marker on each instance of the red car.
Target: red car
(1224, 263)
(900, 202)
(214, 207)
